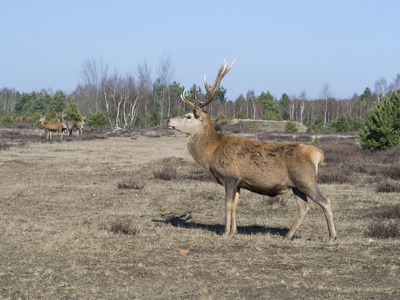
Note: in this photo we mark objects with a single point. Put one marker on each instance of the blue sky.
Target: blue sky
(279, 46)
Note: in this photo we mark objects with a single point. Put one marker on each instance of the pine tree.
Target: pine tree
(383, 124)
(291, 126)
(72, 112)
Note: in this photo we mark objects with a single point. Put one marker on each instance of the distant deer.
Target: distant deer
(265, 168)
(51, 127)
(79, 125)
(71, 125)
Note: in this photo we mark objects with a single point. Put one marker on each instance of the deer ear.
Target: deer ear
(197, 112)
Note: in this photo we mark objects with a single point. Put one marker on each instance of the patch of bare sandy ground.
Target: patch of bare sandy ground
(88, 219)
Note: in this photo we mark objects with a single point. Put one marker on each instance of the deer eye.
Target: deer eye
(189, 116)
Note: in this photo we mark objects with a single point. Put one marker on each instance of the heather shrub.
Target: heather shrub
(386, 223)
(386, 185)
(383, 229)
(165, 173)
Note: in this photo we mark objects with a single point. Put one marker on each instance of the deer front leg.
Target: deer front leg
(235, 203)
(230, 195)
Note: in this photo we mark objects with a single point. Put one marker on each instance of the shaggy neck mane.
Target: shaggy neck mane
(203, 143)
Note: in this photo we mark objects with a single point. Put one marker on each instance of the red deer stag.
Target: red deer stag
(265, 168)
(51, 127)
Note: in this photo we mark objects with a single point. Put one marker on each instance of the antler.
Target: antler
(223, 70)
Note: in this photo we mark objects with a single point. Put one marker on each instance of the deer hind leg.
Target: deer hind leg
(230, 205)
(303, 207)
(325, 204)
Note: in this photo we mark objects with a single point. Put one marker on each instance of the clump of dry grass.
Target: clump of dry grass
(387, 223)
(165, 173)
(387, 185)
(131, 184)
(122, 227)
(384, 229)
(386, 212)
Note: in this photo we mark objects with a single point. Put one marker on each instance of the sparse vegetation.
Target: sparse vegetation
(165, 173)
(122, 227)
(74, 232)
(385, 224)
(131, 184)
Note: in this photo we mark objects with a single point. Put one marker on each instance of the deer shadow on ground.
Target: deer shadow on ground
(183, 221)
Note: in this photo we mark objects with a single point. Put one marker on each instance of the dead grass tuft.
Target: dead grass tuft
(122, 227)
(387, 185)
(165, 173)
(386, 212)
(384, 229)
(387, 223)
(131, 184)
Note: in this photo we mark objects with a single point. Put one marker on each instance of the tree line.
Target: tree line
(136, 100)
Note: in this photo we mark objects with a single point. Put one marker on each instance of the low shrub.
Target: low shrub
(131, 184)
(97, 120)
(335, 176)
(122, 227)
(386, 185)
(384, 229)
(7, 120)
(165, 173)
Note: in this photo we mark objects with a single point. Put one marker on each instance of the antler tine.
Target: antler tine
(183, 97)
(223, 70)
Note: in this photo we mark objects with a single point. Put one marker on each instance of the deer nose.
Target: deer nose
(167, 122)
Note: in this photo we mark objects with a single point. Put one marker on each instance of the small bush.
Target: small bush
(291, 126)
(386, 212)
(384, 229)
(97, 120)
(316, 142)
(165, 173)
(386, 185)
(122, 227)
(7, 120)
(131, 184)
(335, 174)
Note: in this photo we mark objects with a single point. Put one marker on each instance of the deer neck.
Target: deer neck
(202, 145)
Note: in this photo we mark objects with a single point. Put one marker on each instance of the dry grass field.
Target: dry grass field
(98, 219)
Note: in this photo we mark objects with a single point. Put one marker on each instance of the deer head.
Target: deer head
(196, 120)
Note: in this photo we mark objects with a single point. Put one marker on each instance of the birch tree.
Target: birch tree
(303, 104)
(326, 92)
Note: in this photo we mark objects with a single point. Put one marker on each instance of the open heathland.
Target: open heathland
(134, 217)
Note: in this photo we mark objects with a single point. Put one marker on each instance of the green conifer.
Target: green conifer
(72, 112)
(383, 124)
